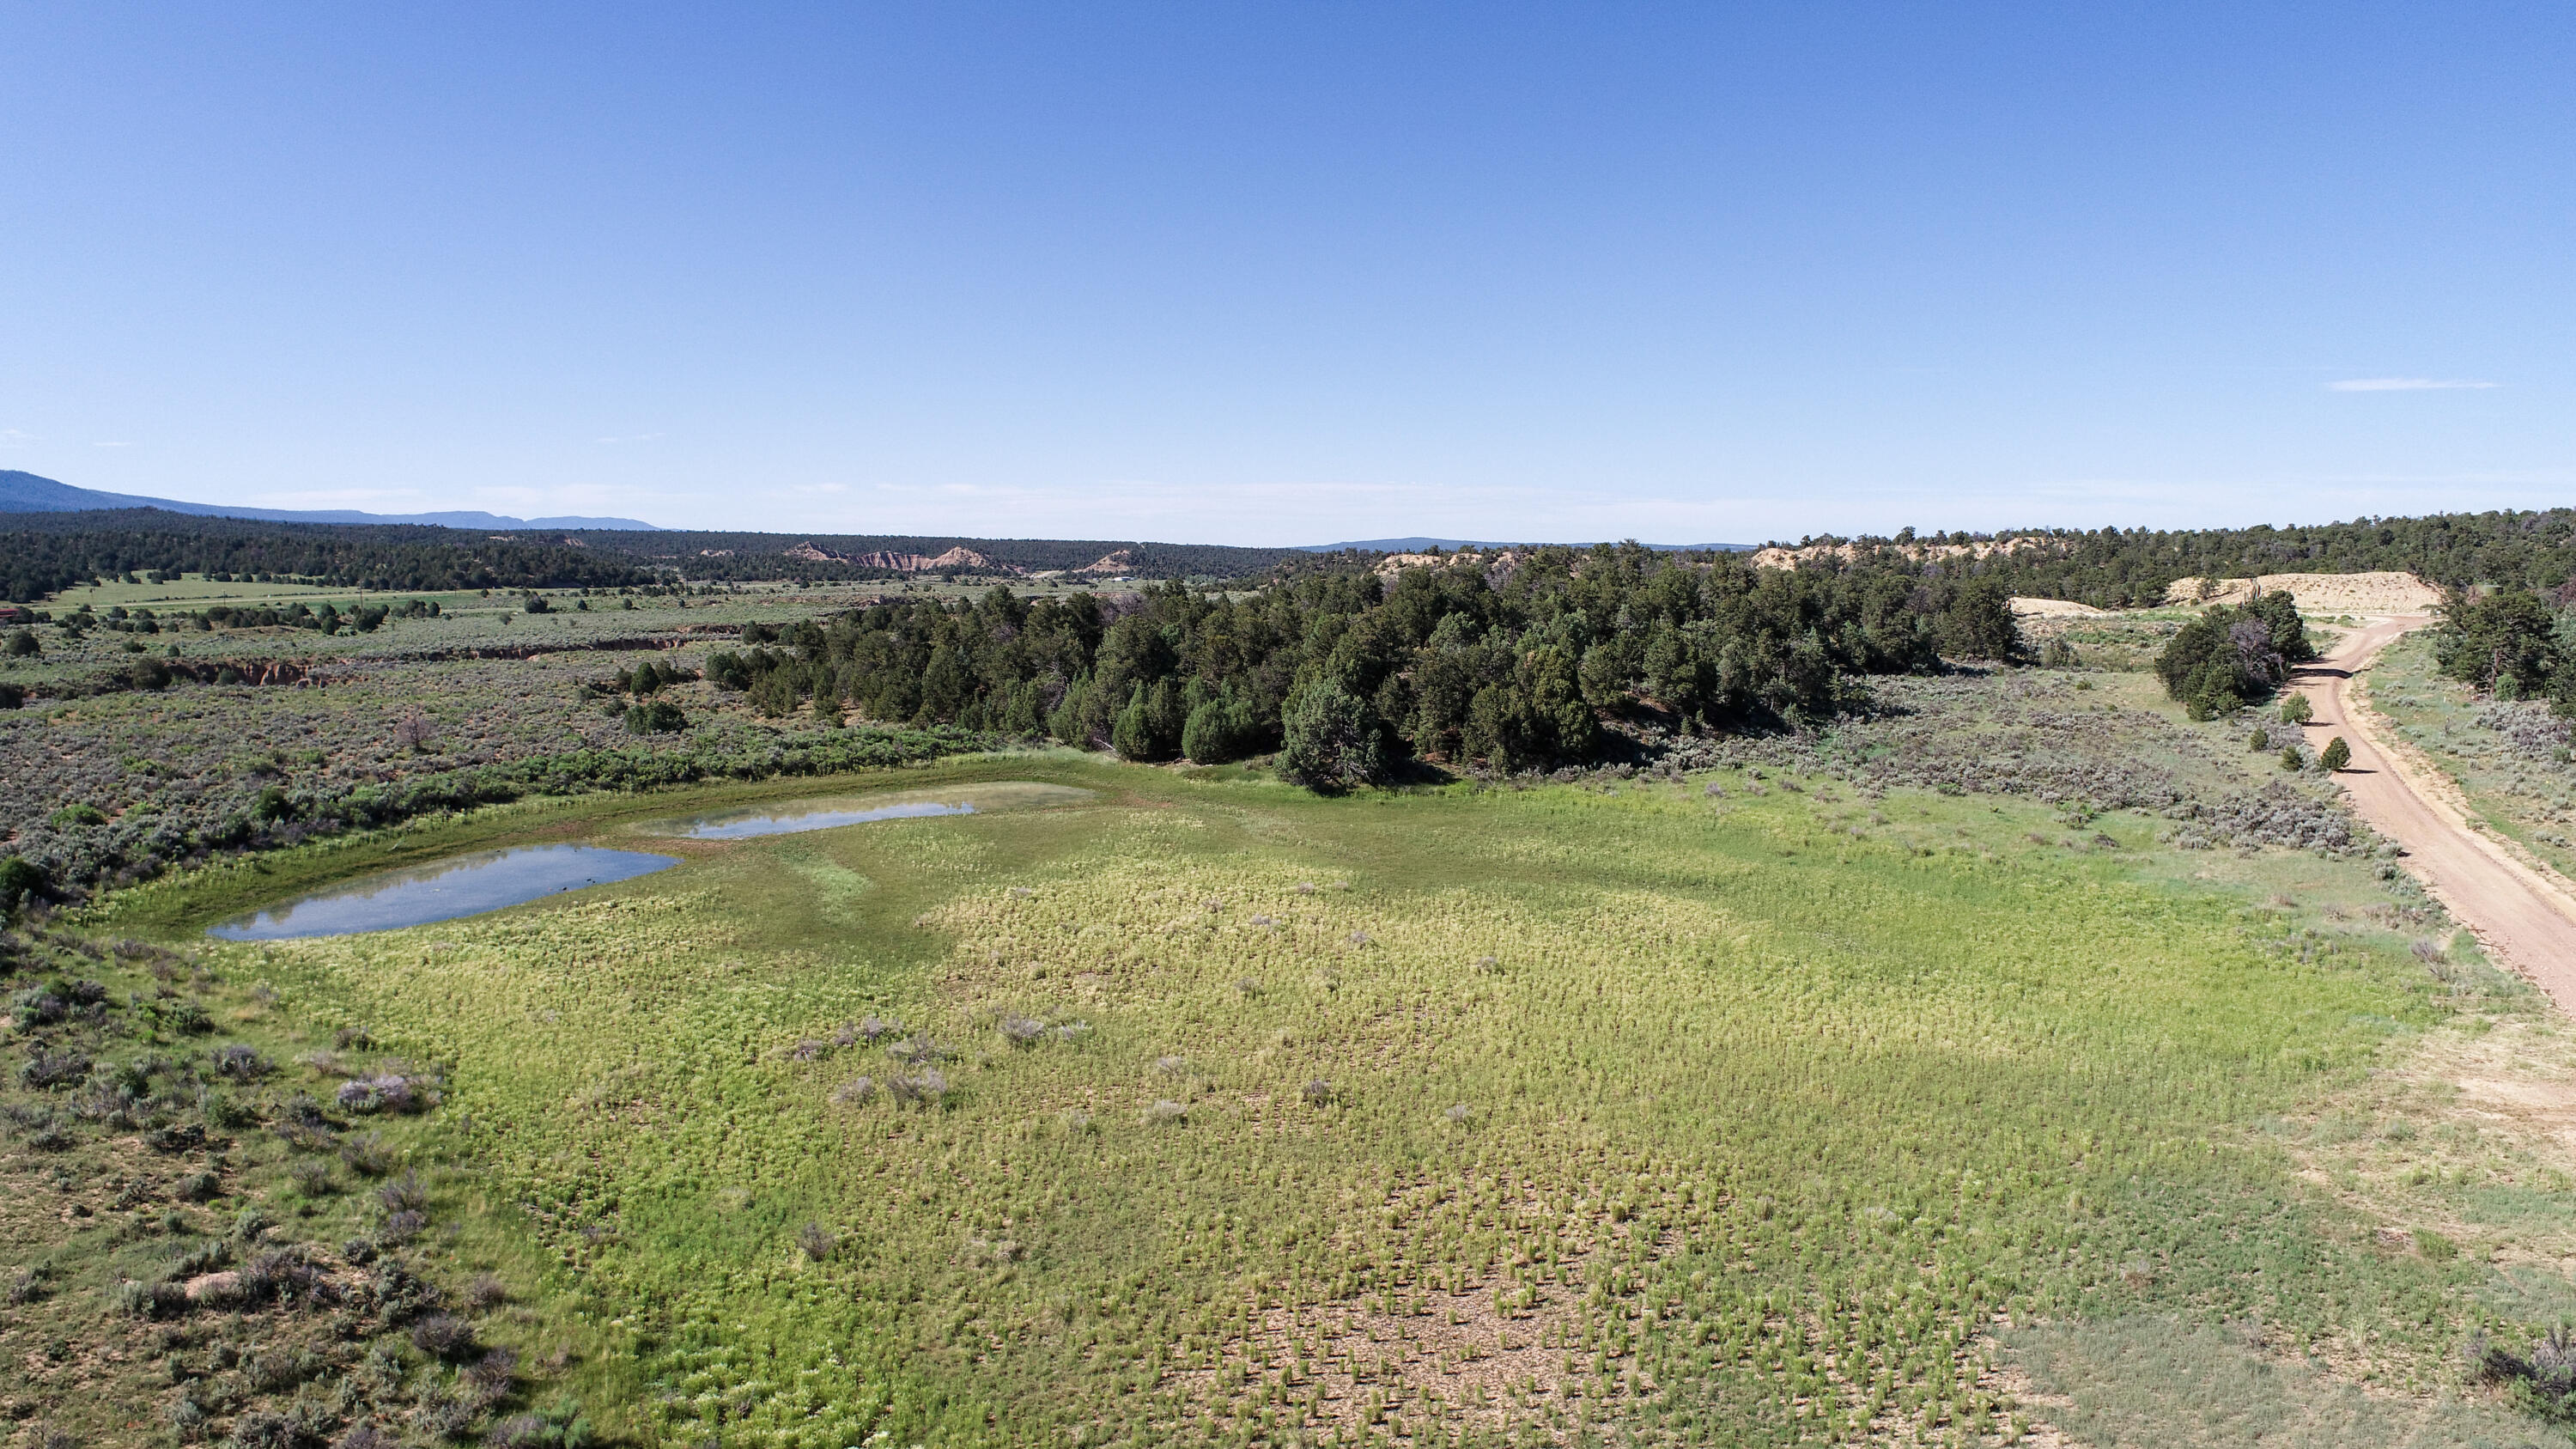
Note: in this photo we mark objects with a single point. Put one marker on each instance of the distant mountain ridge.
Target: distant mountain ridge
(1417, 545)
(31, 493)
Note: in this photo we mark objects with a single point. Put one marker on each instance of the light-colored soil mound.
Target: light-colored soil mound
(2055, 609)
(2371, 593)
(1777, 557)
(1493, 564)
(1396, 563)
(960, 557)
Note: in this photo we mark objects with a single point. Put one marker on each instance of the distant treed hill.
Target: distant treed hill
(41, 553)
(30, 493)
(2113, 568)
(764, 555)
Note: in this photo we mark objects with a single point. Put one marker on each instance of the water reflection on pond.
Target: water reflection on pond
(790, 816)
(463, 885)
(787, 820)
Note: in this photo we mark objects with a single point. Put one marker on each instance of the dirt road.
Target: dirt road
(2525, 921)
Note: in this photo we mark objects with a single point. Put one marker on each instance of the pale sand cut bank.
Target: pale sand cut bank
(2029, 608)
(2372, 593)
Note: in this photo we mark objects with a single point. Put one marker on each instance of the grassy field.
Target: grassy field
(2123, 640)
(468, 621)
(196, 591)
(1213, 1112)
(2023, 1062)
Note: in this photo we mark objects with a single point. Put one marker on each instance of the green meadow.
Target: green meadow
(1208, 1111)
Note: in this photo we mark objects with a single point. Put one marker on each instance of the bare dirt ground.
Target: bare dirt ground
(2523, 913)
(2029, 608)
(2384, 592)
(1777, 557)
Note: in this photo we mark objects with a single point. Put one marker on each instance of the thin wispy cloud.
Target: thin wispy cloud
(11, 436)
(2407, 384)
(111, 445)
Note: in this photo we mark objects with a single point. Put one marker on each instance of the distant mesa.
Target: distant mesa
(1116, 564)
(962, 557)
(30, 493)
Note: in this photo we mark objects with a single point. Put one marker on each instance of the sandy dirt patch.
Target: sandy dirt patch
(2370, 593)
(2055, 609)
(1777, 557)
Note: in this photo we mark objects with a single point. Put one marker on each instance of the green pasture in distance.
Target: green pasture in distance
(195, 591)
(1510, 1116)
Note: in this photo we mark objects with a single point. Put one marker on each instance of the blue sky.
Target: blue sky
(1285, 274)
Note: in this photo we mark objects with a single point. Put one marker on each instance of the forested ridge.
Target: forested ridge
(749, 556)
(2112, 568)
(1510, 667)
(2109, 568)
(44, 553)
(49, 552)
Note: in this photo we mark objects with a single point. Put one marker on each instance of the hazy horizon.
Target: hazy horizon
(1281, 275)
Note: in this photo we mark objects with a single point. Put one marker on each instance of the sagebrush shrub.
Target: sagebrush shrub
(443, 1335)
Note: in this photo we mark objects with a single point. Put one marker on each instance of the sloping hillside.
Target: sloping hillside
(32, 493)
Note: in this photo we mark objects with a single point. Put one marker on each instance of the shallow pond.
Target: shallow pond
(464, 885)
(790, 816)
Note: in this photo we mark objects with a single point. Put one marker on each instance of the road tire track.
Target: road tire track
(2521, 912)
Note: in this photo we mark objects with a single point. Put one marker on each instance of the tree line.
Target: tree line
(2513, 643)
(2108, 568)
(45, 553)
(751, 557)
(1508, 669)
(2113, 568)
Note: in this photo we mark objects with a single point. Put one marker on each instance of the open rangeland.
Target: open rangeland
(1764, 1106)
